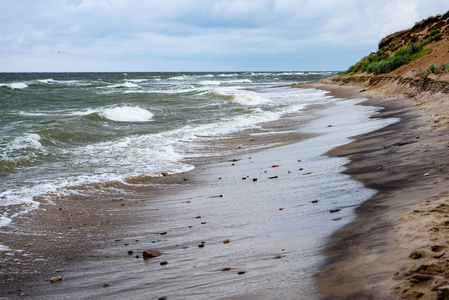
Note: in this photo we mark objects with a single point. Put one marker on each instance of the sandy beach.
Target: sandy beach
(396, 248)
(248, 226)
(239, 237)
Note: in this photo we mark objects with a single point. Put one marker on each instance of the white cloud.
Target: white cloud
(142, 35)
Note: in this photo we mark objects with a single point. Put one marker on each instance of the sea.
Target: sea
(61, 130)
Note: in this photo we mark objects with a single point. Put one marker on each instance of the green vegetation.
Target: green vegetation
(381, 63)
(433, 69)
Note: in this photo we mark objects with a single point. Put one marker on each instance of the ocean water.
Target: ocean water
(60, 130)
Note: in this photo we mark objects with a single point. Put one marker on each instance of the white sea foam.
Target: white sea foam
(127, 114)
(28, 140)
(127, 84)
(3, 247)
(210, 82)
(239, 81)
(250, 98)
(50, 80)
(15, 85)
(137, 80)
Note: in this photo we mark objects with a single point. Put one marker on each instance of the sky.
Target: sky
(199, 35)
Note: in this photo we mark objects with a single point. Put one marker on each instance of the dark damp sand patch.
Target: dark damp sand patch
(380, 254)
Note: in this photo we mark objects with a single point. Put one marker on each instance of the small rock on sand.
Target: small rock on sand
(56, 278)
(241, 272)
(147, 254)
(334, 210)
(226, 241)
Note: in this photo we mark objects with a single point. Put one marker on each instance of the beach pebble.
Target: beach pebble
(162, 298)
(147, 254)
(277, 257)
(427, 174)
(201, 246)
(272, 177)
(56, 278)
(281, 208)
(241, 272)
(130, 252)
(334, 210)
(314, 201)
(225, 269)
(105, 285)
(226, 241)
(163, 263)
(254, 179)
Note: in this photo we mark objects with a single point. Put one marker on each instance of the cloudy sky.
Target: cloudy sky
(198, 35)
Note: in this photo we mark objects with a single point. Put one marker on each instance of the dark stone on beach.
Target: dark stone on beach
(277, 257)
(201, 246)
(163, 233)
(226, 241)
(163, 263)
(203, 223)
(334, 210)
(147, 254)
(314, 201)
(199, 217)
(272, 177)
(254, 179)
(130, 252)
(162, 298)
(226, 269)
(137, 256)
(281, 208)
(275, 166)
(241, 272)
(105, 285)
(336, 219)
(244, 178)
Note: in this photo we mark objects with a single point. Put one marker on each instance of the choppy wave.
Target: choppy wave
(15, 85)
(127, 114)
(126, 84)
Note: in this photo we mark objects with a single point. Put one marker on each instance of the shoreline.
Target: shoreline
(363, 257)
(115, 224)
(383, 254)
